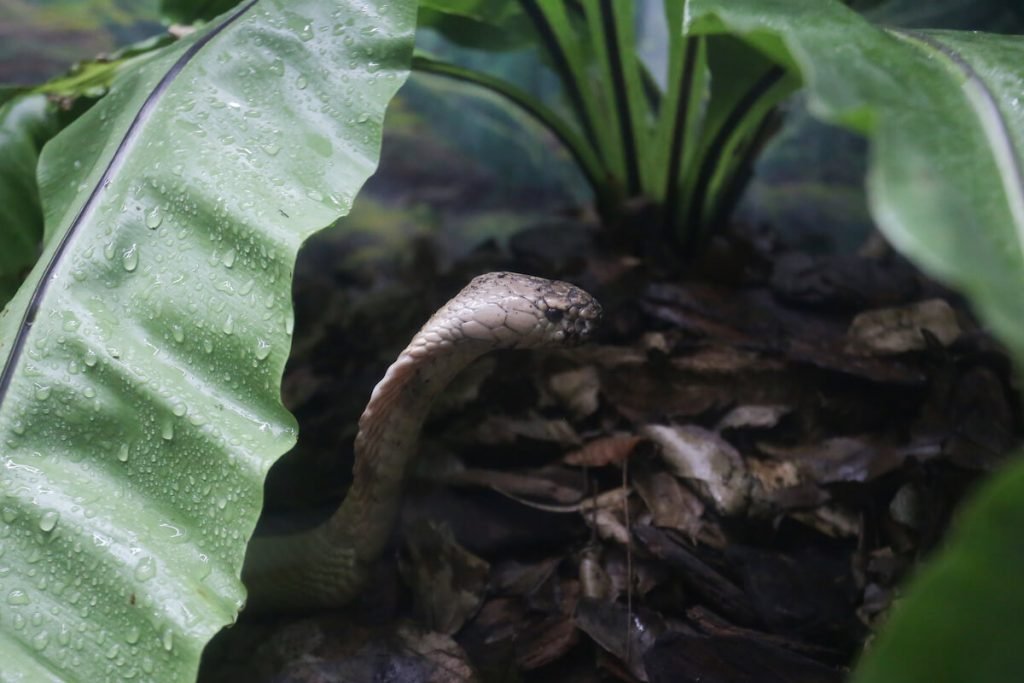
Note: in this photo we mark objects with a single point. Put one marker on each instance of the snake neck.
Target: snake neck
(388, 439)
(327, 565)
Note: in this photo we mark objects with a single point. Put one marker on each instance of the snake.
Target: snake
(327, 566)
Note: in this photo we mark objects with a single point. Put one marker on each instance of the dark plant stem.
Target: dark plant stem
(651, 90)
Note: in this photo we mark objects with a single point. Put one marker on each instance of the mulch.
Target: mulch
(731, 484)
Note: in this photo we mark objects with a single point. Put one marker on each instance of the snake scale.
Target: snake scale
(326, 566)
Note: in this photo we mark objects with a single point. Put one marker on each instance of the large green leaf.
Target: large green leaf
(26, 123)
(944, 116)
(479, 24)
(143, 355)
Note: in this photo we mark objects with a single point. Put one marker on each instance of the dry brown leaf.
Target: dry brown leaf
(781, 485)
(753, 417)
(604, 451)
(706, 459)
(517, 485)
(898, 330)
(594, 580)
(501, 429)
(726, 360)
(627, 636)
(609, 525)
(647, 393)
(546, 642)
(577, 390)
(832, 520)
(672, 505)
(843, 458)
(517, 578)
(447, 580)
(448, 661)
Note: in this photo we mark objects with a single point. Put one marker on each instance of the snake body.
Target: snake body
(325, 566)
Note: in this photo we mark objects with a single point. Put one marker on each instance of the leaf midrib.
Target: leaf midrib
(124, 147)
(990, 119)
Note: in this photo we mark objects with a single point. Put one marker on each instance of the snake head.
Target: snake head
(522, 311)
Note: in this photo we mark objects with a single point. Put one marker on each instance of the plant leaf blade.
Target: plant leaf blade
(140, 397)
(25, 124)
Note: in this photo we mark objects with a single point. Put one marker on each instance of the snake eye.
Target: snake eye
(554, 315)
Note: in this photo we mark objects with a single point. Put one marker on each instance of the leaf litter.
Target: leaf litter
(731, 484)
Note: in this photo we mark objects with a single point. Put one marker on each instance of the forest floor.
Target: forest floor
(729, 484)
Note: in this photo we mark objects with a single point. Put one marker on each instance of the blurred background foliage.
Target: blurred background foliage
(499, 171)
(40, 39)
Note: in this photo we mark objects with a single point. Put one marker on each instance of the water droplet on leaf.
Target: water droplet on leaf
(168, 639)
(130, 258)
(17, 597)
(40, 641)
(49, 520)
(145, 569)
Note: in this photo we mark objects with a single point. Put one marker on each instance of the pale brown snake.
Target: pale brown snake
(325, 566)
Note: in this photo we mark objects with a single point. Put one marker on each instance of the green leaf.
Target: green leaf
(143, 355)
(26, 123)
(738, 136)
(9, 92)
(612, 34)
(961, 619)
(675, 133)
(479, 24)
(745, 88)
(579, 148)
(566, 43)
